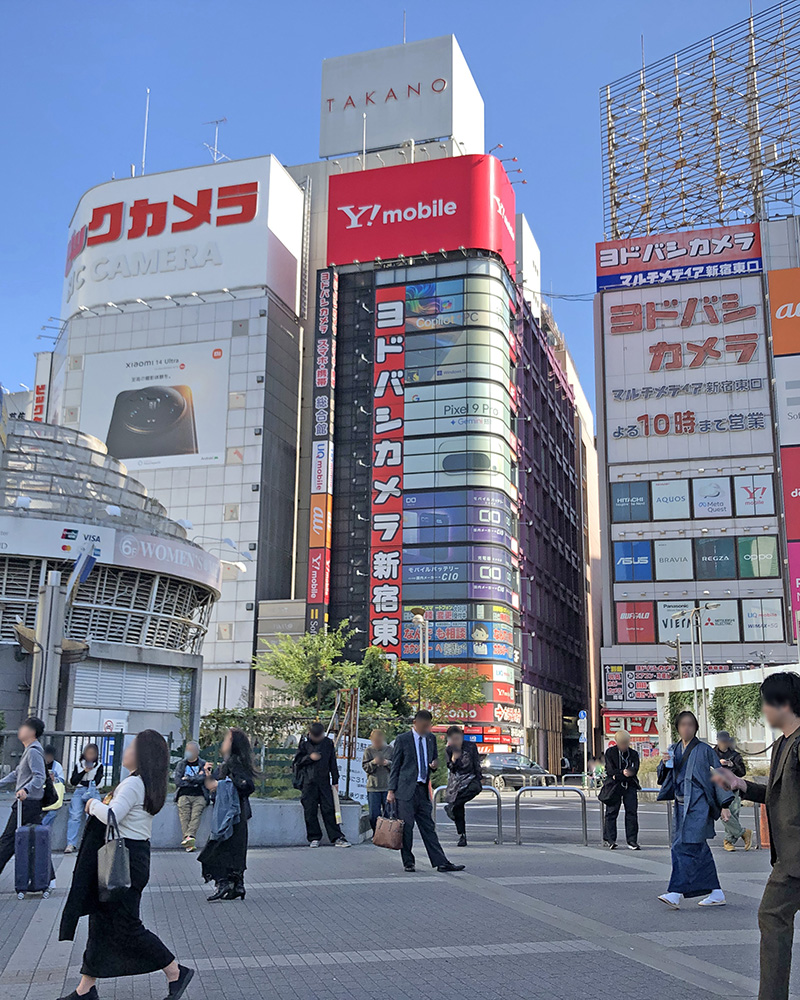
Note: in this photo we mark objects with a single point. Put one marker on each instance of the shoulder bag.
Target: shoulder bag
(113, 863)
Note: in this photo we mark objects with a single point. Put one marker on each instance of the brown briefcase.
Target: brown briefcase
(388, 832)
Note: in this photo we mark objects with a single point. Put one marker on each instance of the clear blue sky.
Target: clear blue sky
(74, 78)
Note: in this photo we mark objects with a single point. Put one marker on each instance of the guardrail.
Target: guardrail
(484, 788)
(551, 788)
(669, 806)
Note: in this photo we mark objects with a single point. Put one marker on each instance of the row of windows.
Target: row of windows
(720, 496)
(697, 559)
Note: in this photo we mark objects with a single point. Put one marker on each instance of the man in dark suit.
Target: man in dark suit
(621, 787)
(413, 759)
(780, 695)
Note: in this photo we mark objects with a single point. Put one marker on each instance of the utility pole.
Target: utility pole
(48, 641)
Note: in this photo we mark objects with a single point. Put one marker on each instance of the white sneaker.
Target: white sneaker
(314, 843)
(672, 899)
(52, 883)
(715, 898)
(341, 842)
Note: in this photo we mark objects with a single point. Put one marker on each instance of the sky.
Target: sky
(75, 74)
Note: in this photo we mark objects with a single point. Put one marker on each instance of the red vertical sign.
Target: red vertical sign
(386, 495)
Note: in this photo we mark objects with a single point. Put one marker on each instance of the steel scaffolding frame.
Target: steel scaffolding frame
(709, 135)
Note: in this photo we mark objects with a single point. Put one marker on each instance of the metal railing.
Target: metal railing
(485, 788)
(68, 749)
(669, 807)
(551, 788)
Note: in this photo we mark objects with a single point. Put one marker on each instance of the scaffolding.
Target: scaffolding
(707, 136)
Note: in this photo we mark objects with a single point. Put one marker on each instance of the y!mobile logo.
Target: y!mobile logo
(422, 210)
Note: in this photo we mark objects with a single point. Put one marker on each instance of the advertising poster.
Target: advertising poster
(632, 561)
(721, 624)
(754, 495)
(784, 299)
(321, 499)
(762, 619)
(787, 389)
(686, 372)
(635, 622)
(671, 500)
(712, 497)
(460, 201)
(673, 559)
(758, 557)
(161, 407)
(715, 558)
(386, 494)
(667, 258)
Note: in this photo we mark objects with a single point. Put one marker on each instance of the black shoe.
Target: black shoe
(409, 868)
(91, 995)
(611, 847)
(450, 867)
(238, 890)
(184, 978)
(462, 840)
(634, 847)
(221, 892)
(448, 811)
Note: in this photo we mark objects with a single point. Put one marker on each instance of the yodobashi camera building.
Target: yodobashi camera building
(182, 354)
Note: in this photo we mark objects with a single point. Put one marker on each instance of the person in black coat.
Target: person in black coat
(730, 758)
(225, 861)
(621, 787)
(315, 764)
(464, 781)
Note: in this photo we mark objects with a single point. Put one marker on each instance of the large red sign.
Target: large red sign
(635, 622)
(790, 477)
(463, 201)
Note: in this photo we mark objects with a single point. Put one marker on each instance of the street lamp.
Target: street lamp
(676, 645)
(694, 620)
(421, 622)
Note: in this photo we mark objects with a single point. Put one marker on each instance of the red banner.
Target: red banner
(462, 201)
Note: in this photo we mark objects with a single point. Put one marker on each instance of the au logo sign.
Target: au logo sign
(784, 301)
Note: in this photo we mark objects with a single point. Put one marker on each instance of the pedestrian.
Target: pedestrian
(191, 795)
(731, 759)
(780, 697)
(87, 777)
(464, 780)
(28, 779)
(685, 777)
(224, 859)
(118, 943)
(621, 787)
(56, 772)
(376, 761)
(413, 760)
(315, 764)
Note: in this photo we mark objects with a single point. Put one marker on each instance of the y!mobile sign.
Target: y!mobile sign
(464, 201)
(721, 252)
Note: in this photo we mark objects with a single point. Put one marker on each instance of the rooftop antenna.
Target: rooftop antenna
(146, 122)
(216, 154)
(404, 27)
(364, 143)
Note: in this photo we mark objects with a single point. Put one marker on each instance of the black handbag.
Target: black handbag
(608, 791)
(113, 863)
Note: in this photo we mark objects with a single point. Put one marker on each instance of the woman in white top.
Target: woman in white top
(118, 943)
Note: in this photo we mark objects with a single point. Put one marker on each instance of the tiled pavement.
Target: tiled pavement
(555, 921)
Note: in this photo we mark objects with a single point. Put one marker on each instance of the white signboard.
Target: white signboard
(224, 225)
(58, 539)
(712, 497)
(421, 90)
(720, 624)
(669, 627)
(358, 776)
(754, 495)
(670, 500)
(787, 388)
(762, 619)
(686, 371)
(168, 555)
(673, 559)
(159, 407)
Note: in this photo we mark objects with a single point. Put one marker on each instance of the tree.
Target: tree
(311, 666)
(441, 689)
(379, 682)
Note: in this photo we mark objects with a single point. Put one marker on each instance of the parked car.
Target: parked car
(511, 770)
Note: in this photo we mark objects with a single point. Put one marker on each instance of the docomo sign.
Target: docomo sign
(463, 201)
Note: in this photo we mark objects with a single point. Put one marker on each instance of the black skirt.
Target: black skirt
(119, 944)
(223, 859)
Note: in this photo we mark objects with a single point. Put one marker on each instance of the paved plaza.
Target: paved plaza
(547, 919)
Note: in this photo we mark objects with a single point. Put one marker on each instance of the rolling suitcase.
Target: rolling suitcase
(31, 858)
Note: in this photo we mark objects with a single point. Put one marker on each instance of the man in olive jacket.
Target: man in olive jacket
(780, 695)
